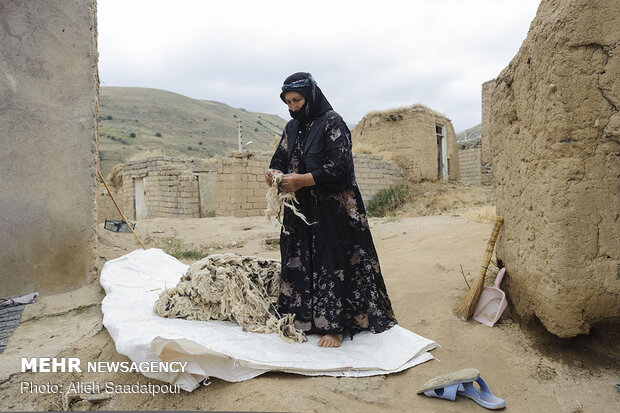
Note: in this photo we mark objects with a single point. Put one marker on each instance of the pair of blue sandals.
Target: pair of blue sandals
(448, 386)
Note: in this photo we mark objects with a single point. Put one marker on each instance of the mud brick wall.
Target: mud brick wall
(171, 186)
(241, 184)
(241, 181)
(470, 167)
(374, 174)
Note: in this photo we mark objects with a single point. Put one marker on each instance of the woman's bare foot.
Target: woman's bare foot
(330, 340)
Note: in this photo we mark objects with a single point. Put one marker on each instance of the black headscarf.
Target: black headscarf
(316, 103)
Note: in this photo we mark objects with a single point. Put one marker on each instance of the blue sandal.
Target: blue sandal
(447, 386)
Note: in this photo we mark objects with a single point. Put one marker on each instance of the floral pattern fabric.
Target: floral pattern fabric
(331, 279)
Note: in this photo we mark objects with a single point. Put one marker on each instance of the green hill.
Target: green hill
(134, 120)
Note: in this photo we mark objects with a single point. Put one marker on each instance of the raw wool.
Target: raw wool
(231, 287)
(278, 199)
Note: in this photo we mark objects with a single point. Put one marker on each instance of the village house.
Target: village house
(418, 139)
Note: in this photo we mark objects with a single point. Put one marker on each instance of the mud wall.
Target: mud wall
(487, 101)
(555, 143)
(48, 111)
(408, 136)
(172, 188)
(485, 155)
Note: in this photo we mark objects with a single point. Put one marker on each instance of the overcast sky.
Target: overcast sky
(365, 55)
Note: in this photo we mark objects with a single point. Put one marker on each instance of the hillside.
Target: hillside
(173, 124)
(470, 138)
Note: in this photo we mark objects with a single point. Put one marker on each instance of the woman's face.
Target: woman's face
(294, 100)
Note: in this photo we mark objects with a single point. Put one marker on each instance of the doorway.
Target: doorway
(207, 186)
(442, 153)
(140, 199)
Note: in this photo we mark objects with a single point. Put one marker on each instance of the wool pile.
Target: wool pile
(231, 287)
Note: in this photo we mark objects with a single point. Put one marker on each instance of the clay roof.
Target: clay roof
(418, 107)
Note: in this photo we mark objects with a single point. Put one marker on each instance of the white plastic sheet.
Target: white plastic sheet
(221, 349)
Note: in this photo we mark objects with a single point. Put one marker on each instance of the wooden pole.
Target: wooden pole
(119, 210)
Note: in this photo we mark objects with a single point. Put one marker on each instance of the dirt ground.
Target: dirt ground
(421, 259)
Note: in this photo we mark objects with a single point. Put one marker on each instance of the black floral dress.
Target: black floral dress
(331, 279)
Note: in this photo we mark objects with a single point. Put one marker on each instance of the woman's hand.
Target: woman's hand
(294, 182)
(269, 175)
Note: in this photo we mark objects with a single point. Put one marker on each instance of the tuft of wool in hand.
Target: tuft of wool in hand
(277, 200)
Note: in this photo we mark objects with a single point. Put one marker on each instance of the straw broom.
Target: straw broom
(467, 306)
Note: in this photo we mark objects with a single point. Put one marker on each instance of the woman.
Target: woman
(331, 280)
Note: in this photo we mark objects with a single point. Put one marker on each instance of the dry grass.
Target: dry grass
(369, 149)
(436, 198)
(481, 213)
(146, 154)
(115, 177)
(363, 148)
(418, 107)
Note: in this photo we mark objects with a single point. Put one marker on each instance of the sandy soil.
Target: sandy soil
(420, 258)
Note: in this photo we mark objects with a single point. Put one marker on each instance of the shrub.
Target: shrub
(132, 135)
(259, 122)
(109, 117)
(255, 129)
(158, 135)
(200, 143)
(189, 148)
(388, 199)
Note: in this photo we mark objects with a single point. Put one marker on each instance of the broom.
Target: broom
(467, 306)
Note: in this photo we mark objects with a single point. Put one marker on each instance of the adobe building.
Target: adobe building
(554, 134)
(48, 127)
(418, 139)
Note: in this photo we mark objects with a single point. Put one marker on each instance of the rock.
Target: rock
(555, 145)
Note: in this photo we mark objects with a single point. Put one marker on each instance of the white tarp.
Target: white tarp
(221, 349)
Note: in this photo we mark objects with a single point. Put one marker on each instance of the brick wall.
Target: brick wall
(171, 186)
(241, 184)
(469, 163)
(373, 174)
